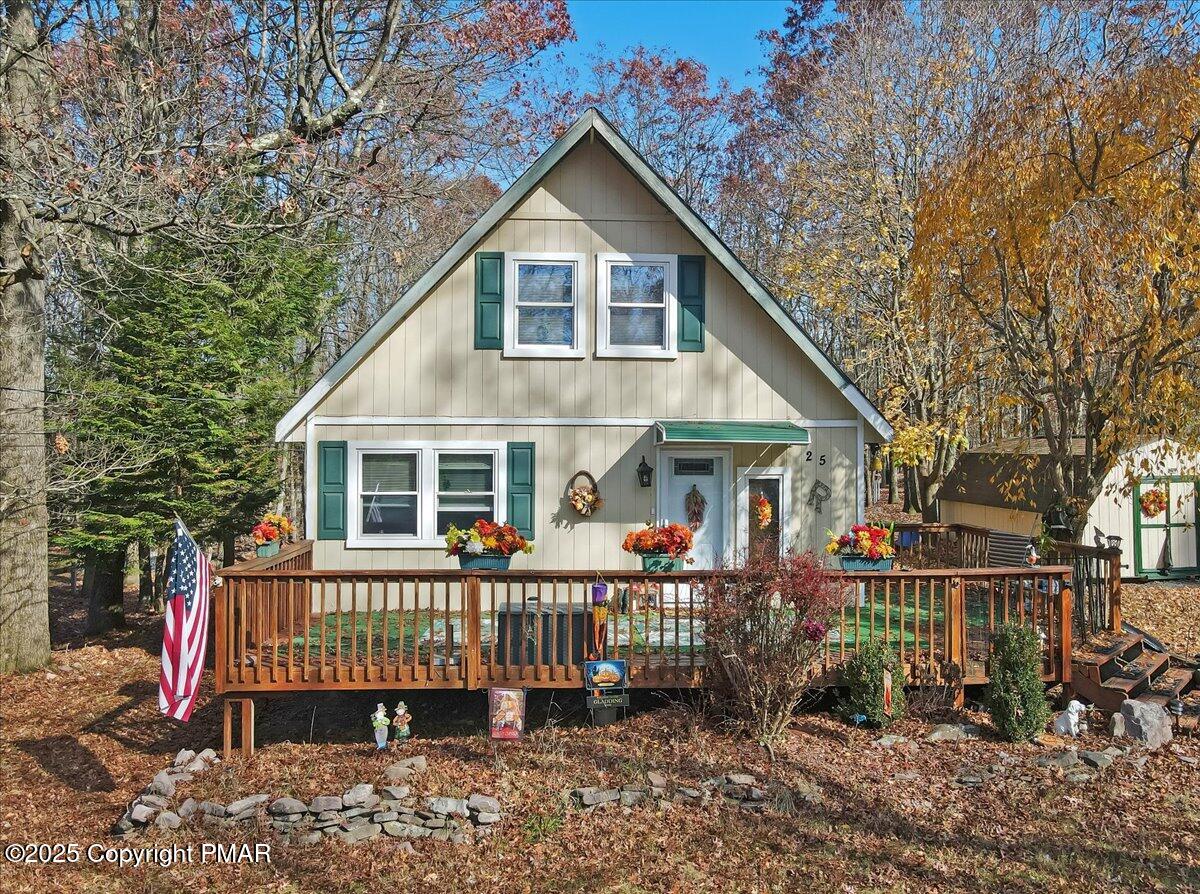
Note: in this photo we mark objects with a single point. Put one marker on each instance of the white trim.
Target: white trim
(550, 421)
(605, 261)
(744, 474)
(860, 474)
(427, 451)
(590, 124)
(310, 478)
(664, 452)
(544, 352)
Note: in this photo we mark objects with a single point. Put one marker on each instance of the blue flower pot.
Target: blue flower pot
(862, 563)
(483, 562)
(268, 549)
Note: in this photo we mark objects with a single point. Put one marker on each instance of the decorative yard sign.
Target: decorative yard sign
(606, 682)
(506, 713)
(887, 692)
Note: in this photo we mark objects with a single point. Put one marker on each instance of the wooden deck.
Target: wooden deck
(282, 626)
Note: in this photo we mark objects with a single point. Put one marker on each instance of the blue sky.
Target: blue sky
(720, 33)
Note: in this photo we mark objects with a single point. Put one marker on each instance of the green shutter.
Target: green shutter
(331, 490)
(691, 303)
(489, 300)
(521, 486)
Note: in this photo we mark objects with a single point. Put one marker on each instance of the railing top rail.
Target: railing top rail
(1085, 549)
(624, 575)
(265, 563)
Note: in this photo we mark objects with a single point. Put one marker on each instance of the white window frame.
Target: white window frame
(427, 494)
(669, 351)
(511, 261)
(744, 476)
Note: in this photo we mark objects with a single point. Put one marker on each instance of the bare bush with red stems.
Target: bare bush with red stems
(765, 629)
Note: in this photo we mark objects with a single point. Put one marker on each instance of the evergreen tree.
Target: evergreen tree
(182, 369)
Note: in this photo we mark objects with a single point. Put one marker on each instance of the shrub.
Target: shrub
(765, 627)
(1016, 698)
(863, 678)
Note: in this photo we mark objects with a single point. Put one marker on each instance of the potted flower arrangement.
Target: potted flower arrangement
(486, 545)
(1154, 502)
(269, 533)
(864, 548)
(662, 548)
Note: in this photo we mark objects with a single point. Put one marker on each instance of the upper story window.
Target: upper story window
(541, 299)
(636, 305)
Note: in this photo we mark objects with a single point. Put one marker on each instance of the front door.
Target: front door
(693, 494)
(1167, 544)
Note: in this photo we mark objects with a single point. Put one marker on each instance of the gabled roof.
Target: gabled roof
(591, 121)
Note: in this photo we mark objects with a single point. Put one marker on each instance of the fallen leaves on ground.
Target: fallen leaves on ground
(1170, 610)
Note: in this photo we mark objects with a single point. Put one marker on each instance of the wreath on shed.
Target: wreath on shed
(584, 498)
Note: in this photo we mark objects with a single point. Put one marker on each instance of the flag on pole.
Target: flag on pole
(185, 629)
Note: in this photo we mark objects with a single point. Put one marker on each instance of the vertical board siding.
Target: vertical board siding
(566, 540)
(590, 203)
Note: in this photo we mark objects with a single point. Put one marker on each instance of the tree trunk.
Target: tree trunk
(228, 550)
(145, 574)
(893, 482)
(911, 491)
(106, 598)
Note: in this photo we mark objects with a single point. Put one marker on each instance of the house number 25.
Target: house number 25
(808, 455)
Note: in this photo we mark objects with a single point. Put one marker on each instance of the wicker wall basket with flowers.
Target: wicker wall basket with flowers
(584, 496)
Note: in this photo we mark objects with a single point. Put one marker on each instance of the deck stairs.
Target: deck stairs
(1111, 667)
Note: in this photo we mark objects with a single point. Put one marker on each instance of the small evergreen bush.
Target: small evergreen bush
(1016, 697)
(863, 678)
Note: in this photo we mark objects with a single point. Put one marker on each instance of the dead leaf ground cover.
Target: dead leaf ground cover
(1168, 609)
(80, 739)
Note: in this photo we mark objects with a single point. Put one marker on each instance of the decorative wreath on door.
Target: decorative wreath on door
(584, 498)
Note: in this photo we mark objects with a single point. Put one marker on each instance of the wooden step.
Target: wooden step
(1167, 685)
(1135, 676)
(1104, 647)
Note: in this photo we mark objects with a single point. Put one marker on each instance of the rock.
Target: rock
(385, 816)
(325, 815)
(394, 792)
(442, 834)
(187, 808)
(483, 804)
(248, 814)
(287, 805)
(628, 799)
(208, 756)
(179, 776)
(406, 769)
(395, 829)
(1097, 759)
(358, 795)
(123, 826)
(1116, 751)
(214, 822)
(362, 832)
(162, 784)
(1189, 760)
(656, 779)
(142, 813)
(908, 776)
(590, 797)
(305, 838)
(357, 811)
(890, 741)
(1116, 725)
(808, 792)
(970, 778)
(406, 848)
(1061, 761)
(196, 766)
(184, 757)
(953, 732)
(740, 779)
(212, 808)
(658, 792)
(459, 838)
(436, 823)
(1080, 775)
(289, 818)
(1140, 760)
(326, 823)
(322, 803)
(690, 793)
(248, 803)
(448, 806)
(158, 802)
(486, 818)
(1147, 723)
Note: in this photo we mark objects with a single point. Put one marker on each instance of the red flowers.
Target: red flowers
(871, 541)
(673, 540)
(486, 537)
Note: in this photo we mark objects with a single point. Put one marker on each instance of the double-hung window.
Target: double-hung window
(542, 304)
(636, 306)
(407, 494)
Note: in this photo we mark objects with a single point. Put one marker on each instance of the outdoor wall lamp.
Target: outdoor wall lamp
(644, 473)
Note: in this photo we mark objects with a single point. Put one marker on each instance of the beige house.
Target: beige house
(588, 322)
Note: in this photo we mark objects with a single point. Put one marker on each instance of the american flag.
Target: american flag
(185, 632)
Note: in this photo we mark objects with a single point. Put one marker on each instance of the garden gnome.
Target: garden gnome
(379, 720)
(401, 721)
(1067, 723)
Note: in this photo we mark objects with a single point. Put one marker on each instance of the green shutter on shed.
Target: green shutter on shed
(331, 490)
(489, 300)
(691, 303)
(521, 486)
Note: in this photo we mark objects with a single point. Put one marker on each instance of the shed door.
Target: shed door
(1167, 544)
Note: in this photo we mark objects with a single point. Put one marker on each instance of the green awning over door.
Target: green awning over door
(729, 433)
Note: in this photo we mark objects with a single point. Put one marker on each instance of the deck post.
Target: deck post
(246, 724)
(471, 636)
(1066, 606)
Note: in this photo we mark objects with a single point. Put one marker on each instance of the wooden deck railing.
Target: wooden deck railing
(293, 628)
